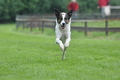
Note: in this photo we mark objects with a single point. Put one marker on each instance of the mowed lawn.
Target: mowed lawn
(111, 24)
(28, 55)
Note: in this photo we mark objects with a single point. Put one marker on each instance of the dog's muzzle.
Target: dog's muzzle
(63, 25)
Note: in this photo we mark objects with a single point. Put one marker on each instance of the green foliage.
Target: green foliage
(4, 11)
(88, 6)
(10, 8)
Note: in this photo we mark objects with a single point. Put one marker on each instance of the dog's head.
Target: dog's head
(63, 18)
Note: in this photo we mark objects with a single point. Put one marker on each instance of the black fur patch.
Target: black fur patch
(59, 16)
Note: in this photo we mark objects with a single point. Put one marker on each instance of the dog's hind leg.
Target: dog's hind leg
(63, 55)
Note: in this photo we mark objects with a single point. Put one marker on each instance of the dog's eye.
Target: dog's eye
(65, 18)
(61, 18)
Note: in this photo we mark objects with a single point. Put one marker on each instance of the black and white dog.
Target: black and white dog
(62, 29)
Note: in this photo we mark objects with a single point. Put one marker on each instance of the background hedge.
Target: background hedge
(10, 8)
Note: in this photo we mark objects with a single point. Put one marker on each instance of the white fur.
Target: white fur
(63, 16)
(63, 33)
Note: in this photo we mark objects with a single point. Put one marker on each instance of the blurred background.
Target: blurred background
(10, 8)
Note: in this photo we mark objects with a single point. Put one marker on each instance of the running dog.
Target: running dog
(62, 29)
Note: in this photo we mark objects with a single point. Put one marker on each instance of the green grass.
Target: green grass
(26, 55)
(98, 24)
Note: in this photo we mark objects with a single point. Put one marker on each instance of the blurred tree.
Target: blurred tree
(10, 8)
(4, 11)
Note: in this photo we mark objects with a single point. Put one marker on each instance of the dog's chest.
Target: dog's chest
(61, 32)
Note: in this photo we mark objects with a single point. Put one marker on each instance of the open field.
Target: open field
(35, 56)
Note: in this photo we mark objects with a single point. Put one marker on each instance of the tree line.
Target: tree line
(10, 8)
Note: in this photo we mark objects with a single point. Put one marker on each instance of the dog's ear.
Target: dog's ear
(70, 14)
(57, 13)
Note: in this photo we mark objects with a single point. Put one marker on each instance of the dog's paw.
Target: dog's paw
(66, 44)
(61, 46)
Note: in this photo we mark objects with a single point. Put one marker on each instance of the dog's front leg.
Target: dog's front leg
(58, 41)
(67, 42)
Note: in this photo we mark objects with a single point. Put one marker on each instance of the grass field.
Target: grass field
(26, 55)
(99, 24)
